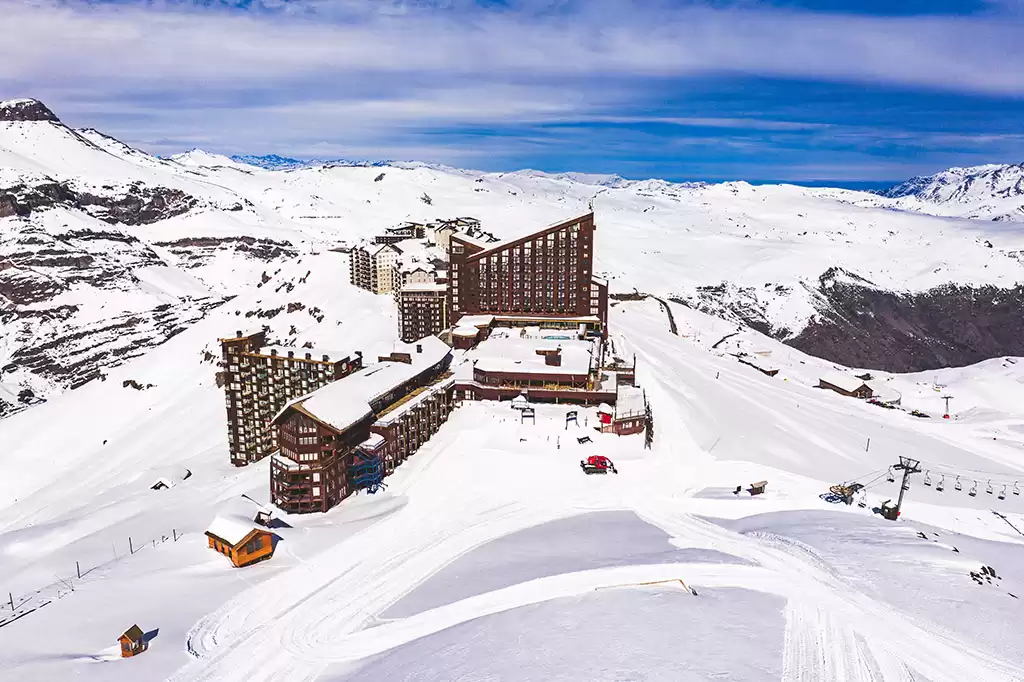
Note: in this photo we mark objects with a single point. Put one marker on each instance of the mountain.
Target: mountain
(119, 271)
(275, 162)
(106, 251)
(990, 192)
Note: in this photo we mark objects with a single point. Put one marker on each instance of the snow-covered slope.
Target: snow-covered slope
(989, 192)
(490, 534)
(822, 268)
(125, 268)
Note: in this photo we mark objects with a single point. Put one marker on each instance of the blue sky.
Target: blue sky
(868, 91)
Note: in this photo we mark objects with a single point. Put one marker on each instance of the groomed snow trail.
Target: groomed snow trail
(476, 481)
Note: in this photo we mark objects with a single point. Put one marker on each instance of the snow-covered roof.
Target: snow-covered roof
(541, 319)
(629, 401)
(425, 286)
(373, 442)
(465, 331)
(300, 353)
(409, 404)
(846, 382)
(231, 528)
(347, 401)
(605, 408)
(462, 236)
(476, 320)
(511, 354)
(241, 334)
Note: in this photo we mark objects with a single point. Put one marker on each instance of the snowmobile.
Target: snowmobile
(597, 464)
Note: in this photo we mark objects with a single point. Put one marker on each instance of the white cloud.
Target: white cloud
(382, 75)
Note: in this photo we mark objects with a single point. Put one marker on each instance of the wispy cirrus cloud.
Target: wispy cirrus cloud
(419, 76)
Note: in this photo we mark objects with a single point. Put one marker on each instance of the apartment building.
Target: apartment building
(351, 433)
(259, 379)
(422, 310)
(374, 267)
(542, 276)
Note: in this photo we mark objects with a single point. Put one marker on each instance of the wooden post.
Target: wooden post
(131, 549)
(78, 570)
(175, 534)
(11, 597)
(868, 446)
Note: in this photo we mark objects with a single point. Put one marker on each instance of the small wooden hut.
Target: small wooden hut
(239, 539)
(132, 642)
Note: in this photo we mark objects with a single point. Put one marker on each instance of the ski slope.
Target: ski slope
(837, 593)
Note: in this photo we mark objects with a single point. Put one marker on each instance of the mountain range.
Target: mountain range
(106, 251)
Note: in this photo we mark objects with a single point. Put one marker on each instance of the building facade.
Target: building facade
(374, 267)
(509, 363)
(547, 274)
(422, 311)
(259, 379)
(393, 235)
(333, 441)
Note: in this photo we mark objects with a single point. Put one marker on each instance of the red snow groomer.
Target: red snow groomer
(597, 464)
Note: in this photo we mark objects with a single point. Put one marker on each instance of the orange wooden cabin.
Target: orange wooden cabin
(132, 642)
(240, 540)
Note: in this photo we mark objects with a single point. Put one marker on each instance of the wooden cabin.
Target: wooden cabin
(239, 539)
(844, 384)
(132, 642)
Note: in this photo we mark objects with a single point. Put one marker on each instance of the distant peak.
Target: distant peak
(26, 110)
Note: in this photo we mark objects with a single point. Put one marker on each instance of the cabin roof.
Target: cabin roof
(844, 381)
(342, 403)
(132, 634)
(231, 528)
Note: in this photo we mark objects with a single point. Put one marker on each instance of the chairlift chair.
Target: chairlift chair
(988, 487)
(958, 486)
(1002, 493)
(941, 485)
(974, 490)
(891, 476)
(928, 478)
(1016, 490)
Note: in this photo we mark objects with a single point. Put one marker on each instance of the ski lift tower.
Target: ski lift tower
(908, 466)
(947, 398)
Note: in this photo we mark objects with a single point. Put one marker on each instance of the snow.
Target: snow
(425, 287)
(232, 529)
(490, 555)
(347, 401)
(629, 401)
(17, 102)
(504, 353)
(608, 635)
(373, 442)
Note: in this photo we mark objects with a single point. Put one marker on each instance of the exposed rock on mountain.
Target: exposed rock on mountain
(195, 251)
(908, 332)
(132, 204)
(25, 110)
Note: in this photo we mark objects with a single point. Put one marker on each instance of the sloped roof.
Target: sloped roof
(846, 382)
(133, 634)
(231, 528)
(342, 403)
